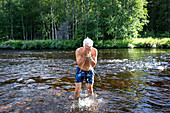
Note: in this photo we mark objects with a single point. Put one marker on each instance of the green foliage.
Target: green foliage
(100, 44)
(29, 45)
(123, 43)
(112, 43)
(6, 44)
(164, 43)
(39, 44)
(158, 11)
(127, 18)
(148, 33)
(1, 42)
(100, 19)
(39, 19)
(151, 43)
(152, 33)
(78, 38)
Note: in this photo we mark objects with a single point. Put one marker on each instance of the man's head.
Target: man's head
(87, 44)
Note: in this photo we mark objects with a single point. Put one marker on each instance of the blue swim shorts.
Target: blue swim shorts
(87, 75)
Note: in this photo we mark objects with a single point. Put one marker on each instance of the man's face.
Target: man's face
(88, 48)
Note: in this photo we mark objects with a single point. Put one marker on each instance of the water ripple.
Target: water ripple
(127, 80)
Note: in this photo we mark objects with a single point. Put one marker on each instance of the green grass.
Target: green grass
(151, 43)
(38, 44)
(73, 44)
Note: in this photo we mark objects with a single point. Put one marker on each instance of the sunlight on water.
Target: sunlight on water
(133, 65)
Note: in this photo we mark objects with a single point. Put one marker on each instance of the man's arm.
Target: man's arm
(93, 60)
(80, 58)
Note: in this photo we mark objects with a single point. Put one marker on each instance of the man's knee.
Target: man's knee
(78, 87)
(90, 87)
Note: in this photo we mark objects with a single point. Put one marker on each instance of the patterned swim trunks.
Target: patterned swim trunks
(87, 75)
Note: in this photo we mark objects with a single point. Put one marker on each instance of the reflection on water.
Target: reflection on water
(127, 80)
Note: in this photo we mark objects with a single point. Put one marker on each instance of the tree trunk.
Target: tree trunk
(31, 33)
(34, 33)
(97, 10)
(67, 33)
(49, 35)
(86, 19)
(23, 28)
(55, 31)
(26, 35)
(26, 31)
(52, 27)
(45, 32)
(12, 28)
(73, 27)
(73, 19)
(5, 21)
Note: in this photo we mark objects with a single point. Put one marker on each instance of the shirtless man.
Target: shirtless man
(86, 58)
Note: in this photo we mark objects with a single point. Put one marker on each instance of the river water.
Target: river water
(126, 80)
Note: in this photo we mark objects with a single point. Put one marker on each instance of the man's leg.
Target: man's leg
(77, 90)
(90, 90)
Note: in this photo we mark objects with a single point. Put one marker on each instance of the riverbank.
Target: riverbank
(73, 44)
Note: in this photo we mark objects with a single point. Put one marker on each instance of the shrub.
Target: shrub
(73, 44)
(98, 44)
(151, 43)
(164, 43)
(6, 45)
(123, 43)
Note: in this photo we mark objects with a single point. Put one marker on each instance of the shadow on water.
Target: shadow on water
(127, 80)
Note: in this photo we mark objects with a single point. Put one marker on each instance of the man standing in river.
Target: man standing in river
(86, 58)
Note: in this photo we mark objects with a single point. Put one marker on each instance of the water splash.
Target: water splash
(87, 104)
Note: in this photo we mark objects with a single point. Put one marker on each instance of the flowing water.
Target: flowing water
(126, 80)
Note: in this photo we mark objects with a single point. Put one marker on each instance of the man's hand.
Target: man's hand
(87, 50)
(89, 58)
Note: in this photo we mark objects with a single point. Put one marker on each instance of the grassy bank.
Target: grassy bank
(134, 43)
(38, 44)
(73, 44)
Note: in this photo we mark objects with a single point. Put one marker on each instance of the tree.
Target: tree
(158, 16)
(98, 19)
(127, 18)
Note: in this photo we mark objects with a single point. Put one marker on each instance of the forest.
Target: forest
(77, 19)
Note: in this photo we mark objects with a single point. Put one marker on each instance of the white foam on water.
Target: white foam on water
(87, 103)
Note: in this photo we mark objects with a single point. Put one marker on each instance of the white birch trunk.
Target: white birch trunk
(55, 32)
(52, 27)
(73, 20)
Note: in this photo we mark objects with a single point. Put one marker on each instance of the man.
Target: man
(86, 58)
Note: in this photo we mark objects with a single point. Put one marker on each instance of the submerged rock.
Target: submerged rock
(29, 81)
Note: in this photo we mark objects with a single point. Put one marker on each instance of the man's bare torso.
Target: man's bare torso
(81, 56)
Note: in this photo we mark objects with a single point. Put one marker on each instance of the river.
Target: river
(126, 80)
